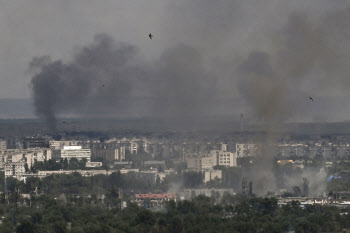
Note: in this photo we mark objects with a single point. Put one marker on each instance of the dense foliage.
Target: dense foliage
(200, 215)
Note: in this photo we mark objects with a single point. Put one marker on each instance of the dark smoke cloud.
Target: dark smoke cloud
(263, 88)
(106, 78)
(95, 81)
(271, 83)
(183, 87)
(271, 55)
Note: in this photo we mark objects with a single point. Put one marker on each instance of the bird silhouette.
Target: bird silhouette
(150, 36)
(63, 122)
(311, 99)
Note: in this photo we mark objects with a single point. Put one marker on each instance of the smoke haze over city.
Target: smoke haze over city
(175, 116)
(223, 58)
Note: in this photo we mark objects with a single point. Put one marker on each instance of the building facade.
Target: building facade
(212, 175)
(15, 169)
(69, 152)
(3, 145)
(224, 158)
(201, 162)
(246, 150)
(108, 155)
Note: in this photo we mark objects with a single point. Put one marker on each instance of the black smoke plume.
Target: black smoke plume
(96, 80)
(228, 51)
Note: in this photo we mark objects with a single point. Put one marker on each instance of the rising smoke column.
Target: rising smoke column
(94, 81)
(181, 84)
(262, 52)
(106, 78)
(267, 93)
(270, 83)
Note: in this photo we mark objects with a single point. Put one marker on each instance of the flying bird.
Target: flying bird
(63, 122)
(150, 36)
(311, 99)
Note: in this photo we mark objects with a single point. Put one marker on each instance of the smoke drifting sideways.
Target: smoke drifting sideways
(245, 50)
(216, 60)
(106, 78)
(96, 77)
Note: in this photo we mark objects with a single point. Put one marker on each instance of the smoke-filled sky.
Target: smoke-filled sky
(94, 58)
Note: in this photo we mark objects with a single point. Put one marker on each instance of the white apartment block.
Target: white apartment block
(134, 147)
(42, 155)
(69, 152)
(28, 156)
(224, 158)
(14, 169)
(145, 145)
(122, 153)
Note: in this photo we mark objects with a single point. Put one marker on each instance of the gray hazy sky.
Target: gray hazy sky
(300, 48)
(32, 28)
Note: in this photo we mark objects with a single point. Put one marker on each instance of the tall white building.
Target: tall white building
(224, 158)
(134, 147)
(69, 152)
(145, 145)
(122, 153)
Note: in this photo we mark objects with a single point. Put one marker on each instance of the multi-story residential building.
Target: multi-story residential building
(28, 156)
(2, 161)
(201, 161)
(42, 155)
(122, 153)
(224, 158)
(69, 152)
(134, 147)
(288, 150)
(145, 146)
(56, 145)
(107, 154)
(15, 169)
(35, 142)
(245, 150)
(211, 159)
(3, 145)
